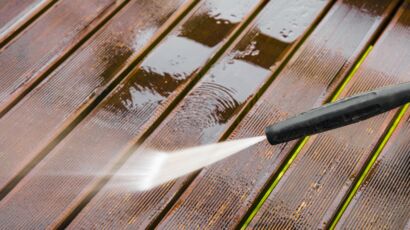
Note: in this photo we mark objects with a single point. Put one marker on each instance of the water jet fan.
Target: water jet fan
(154, 168)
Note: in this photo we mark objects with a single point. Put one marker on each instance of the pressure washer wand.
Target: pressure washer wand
(155, 167)
(340, 113)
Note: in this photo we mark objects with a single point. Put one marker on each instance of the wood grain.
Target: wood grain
(16, 14)
(25, 60)
(76, 166)
(320, 177)
(382, 201)
(222, 194)
(205, 114)
(37, 121)
(180, 74)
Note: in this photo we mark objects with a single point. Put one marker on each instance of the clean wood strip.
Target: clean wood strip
(14, 15)
(205, 114)
(75, 167)
(45, 43)
(311, 191)
(382, 201)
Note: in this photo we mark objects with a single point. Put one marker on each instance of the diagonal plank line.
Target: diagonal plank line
(379, 148)
(164, 114)
(298, 148)
(7, 106)
(83, 113)
(21, 24)
(131, 77)
(181, 95)
(301, 144)
(190, 96)
(266, 85)
(378, 38)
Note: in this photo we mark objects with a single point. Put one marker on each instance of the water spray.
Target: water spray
(155, 167)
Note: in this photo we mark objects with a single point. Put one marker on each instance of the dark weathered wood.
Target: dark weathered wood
(206, 112)
(311, 191)
(26, 59)
(14, 14)
(382, 201)
(35, 123)
(75, 167)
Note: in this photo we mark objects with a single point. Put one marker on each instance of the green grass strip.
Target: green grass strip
(302, 143)
(369, 165)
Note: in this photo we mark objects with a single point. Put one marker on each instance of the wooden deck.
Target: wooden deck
(86, 86)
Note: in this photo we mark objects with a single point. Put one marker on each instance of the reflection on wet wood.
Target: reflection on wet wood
(15, 14)
(27, 58)
(227, 190)
(179, 73)
(312, 189)
(382, 201)
(206, 113)
(67, 92)
(75, 166)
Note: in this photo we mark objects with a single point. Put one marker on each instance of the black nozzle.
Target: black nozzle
(338, 114)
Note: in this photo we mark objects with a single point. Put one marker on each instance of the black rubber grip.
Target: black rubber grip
(339, 113)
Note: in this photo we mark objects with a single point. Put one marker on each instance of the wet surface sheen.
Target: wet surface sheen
(311, 190)
(74, 166)
(55, 103)
(36, 49)
(67, 91)
(63, 177)
(222, 194)
(203, 116)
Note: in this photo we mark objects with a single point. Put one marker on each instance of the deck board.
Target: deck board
(222, 194)
(382, 201)
(25, 60)
(123, 116)
(15, 14)
(206, 112)
(58, 102)
(88, 86)
(312, 189)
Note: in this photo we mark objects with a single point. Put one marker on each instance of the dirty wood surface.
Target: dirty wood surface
(87, 86)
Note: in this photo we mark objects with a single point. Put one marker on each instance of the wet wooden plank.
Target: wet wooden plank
(75, 167)
(320, 177)
(382, 201)
(37, 121)
(206, 112)
(25, 60)
(14, 14)
(221, 195)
